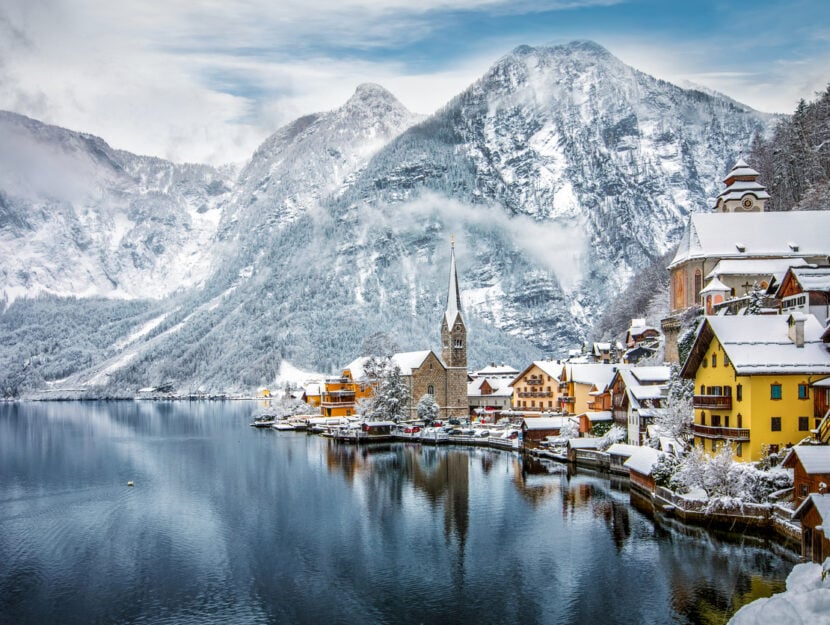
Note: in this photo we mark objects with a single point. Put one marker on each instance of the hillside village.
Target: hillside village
(736, 376)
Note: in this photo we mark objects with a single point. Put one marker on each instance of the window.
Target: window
(775, 391)
(775, 424)
(740, 420)
(714, 360)
(702, 390)
(716, 420)
(705, 363)
(803, 391)
(739, 392)
(725, 359)
(459, 344)
(803, 424)
(698, 285)
(739, 449)
(431, 390)
(702, 418)
(803, 491)
(726, 421)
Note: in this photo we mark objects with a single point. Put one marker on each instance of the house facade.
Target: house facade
(806, 289)
(537, 387)
(752, 377)
(811, 470)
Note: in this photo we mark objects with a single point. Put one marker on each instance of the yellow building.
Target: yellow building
(752, 381)
(340, 396)
(580, 382)
(536, 389)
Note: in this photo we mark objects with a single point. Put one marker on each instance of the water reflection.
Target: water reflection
(227, 523)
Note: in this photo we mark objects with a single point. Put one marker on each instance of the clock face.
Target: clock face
(747, 204)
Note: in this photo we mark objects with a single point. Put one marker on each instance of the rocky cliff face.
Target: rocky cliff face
(560, 173)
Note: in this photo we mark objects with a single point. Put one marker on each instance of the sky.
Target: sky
(209, 80)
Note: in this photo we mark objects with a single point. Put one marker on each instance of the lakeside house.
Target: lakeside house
(814, 515)
(640, 465)
(538, 388)
(637, 395)
(811, 470)
(753, 376)
(489, 393)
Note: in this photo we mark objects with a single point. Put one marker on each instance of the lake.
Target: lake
(230, 524)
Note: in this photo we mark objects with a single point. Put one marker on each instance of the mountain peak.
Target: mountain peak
(369, 91)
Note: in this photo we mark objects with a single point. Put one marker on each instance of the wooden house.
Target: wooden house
(814, 514)
(811, 470)
(640, 468)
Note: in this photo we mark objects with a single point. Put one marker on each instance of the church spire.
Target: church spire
(453, 295)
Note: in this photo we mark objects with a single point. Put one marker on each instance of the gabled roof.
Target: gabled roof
(622, 449)
(770, 235)
(810, 278)
(715, 286)
(593, 373)
(760, 345)
(656, 374)
(814, 458)
(501, 387)
(821, 504)
(406, 361)
(548, 367)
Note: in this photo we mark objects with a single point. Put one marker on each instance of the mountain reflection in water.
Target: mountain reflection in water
(228, 523)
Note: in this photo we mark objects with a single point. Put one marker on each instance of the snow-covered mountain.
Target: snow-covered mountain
(560, 172)
(80, 218)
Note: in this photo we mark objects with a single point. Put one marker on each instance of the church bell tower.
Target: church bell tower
(454, 346)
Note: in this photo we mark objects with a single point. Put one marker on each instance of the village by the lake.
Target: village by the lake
(719, 417)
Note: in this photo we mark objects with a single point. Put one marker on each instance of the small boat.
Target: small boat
(264, 421)
(283, 425)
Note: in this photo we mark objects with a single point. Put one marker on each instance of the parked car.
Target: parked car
(482, 433)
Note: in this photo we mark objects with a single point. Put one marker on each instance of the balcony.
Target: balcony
(567, 399)
(713, 402)
(711, 431)
(534, 394)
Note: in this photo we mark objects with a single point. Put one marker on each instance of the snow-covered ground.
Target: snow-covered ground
(806, 600)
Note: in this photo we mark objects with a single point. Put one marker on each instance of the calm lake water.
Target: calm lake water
(229, 524)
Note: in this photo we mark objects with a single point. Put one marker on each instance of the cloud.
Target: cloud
(557, 246)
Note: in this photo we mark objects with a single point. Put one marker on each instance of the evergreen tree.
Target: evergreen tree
(428, 409)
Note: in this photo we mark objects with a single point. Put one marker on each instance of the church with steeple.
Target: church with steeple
(424, 372)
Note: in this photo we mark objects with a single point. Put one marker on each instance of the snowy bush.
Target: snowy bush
(569, 430)
(721, 478)
(427, 408)
(665, 469)
(615, 434)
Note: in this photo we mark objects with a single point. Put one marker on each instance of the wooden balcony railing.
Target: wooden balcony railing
(713, 402)
(711, 431)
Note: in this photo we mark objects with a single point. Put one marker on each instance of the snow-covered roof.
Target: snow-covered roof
(814, 458)
(312, 389)
(761, 267)
(821, 503)
(501, 387)
(741, 168)
(643, 460)
(653, 374)
(599, 416)
(718, 235)
(813, 278)
(496, 370)
(760, 344)
(585, 443)
(622, 449)
(602, 347)
(545, 423)
(594, 373)
(406, 361)
(548, 367)
(715, 286)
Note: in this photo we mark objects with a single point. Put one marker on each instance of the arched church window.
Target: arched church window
(698, 285)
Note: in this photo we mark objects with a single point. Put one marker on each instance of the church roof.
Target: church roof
(792, 234)
(453, 295)
(714, 286)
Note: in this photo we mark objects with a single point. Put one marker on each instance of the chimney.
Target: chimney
(795, 323)
(822, 488)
